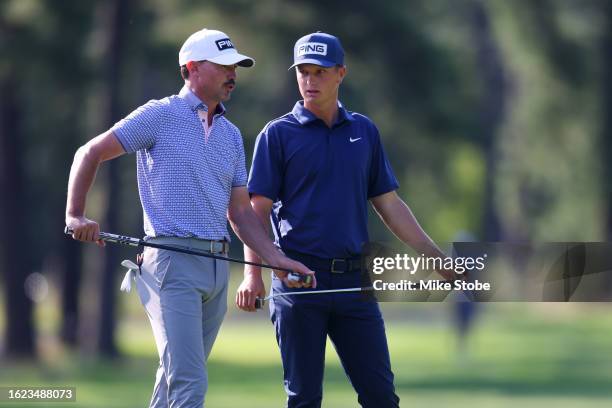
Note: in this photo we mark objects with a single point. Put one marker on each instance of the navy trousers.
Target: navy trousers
(356, 329)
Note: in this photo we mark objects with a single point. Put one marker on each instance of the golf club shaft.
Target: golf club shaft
(121, 239)
(259, 302)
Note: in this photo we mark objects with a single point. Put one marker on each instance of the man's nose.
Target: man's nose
(231, 72)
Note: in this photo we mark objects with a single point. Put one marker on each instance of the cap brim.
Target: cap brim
(233, 58)
(314, 61)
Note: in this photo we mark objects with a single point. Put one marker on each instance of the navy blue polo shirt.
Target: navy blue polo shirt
(320, 180)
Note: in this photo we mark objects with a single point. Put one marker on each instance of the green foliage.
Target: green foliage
(414, 67)
(548, 186)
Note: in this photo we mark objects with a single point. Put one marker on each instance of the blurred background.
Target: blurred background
(496, 116)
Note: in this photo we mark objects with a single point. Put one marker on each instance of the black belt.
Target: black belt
(335, 265)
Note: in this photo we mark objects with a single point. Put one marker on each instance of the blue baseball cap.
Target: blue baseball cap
(319, 49)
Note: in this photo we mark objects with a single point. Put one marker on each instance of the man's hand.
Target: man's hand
(84, 229)
(297, 267)
(252, 287)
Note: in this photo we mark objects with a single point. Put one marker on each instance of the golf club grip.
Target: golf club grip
(105, 236)
(306, 279)
(259, 303)
(296, 277)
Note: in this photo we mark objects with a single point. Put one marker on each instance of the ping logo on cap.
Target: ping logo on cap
(312, 48)
(224, 44)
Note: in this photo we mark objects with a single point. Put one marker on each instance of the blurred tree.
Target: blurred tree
(64, 81)
(15, 260)
(71, 253)
(116, 32)
(564, 53)
(606, 133)
(492, 110)
(48, 51)
(547, 180)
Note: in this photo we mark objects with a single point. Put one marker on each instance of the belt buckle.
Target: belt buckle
(219, 247)
(333, 266)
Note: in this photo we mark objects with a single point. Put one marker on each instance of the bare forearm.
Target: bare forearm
(251, 256)
(253, 234)
(401, 221)
(82, 175)
(84, 167)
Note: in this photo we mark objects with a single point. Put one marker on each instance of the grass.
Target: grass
(526, 355)
(518, 355)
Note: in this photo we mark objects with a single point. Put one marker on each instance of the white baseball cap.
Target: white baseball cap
(214, 46)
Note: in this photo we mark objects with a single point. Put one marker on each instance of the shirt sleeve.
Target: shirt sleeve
(240, 174)
(139, 129)
(382, 180)
(266, 170)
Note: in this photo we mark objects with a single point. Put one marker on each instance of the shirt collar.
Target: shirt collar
(196, 104)
(305, 116)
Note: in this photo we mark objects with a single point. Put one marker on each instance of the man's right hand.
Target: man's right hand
(295, 266)
(84, 229)
(252, 287)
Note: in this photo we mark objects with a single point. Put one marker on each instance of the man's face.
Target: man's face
(318, 84)
(215, 82)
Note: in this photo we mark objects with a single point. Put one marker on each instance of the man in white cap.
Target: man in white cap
(191, 179)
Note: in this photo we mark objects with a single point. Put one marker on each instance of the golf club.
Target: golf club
(123, 240)
(259, 302)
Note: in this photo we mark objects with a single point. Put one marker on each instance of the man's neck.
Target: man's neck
(210, 105)
(328, 113)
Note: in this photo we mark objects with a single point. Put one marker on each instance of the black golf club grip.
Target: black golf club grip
(105, 236)
(259, 303)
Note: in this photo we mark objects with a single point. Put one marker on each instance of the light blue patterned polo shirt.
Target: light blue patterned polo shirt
(184, 180)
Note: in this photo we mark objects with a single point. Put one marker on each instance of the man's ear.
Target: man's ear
(191, 66)
(342, 72)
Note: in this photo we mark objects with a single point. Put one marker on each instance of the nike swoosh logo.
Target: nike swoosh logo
(354, 140)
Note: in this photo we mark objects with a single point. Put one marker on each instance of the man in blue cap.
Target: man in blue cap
(314, 171)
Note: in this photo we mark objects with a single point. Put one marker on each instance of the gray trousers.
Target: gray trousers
(185, 297)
